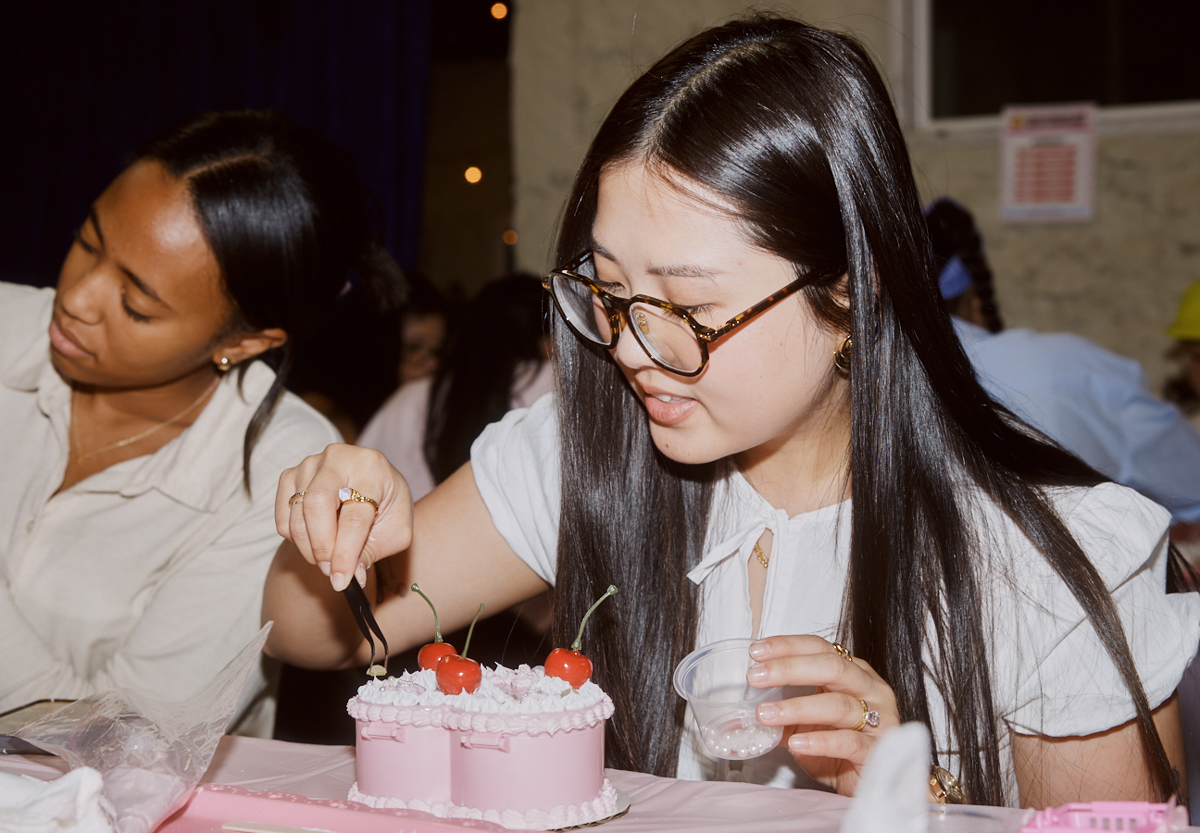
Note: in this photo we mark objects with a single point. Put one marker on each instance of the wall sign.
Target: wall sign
(1048, 163)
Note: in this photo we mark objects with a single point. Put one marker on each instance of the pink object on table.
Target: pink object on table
(415, 757)
(525, 750)
(1140, 816)
(523, 772)
(214, 805)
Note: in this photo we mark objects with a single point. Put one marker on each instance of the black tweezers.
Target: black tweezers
(361, 609)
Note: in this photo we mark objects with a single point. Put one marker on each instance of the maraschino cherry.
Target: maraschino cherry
(456, 674)
(428, 656)
(572, 665)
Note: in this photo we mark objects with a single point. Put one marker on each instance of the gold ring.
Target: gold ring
(298, 496)
(347, 494)
(870, 717)
(842, 652)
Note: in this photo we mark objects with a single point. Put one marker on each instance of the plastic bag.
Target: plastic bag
(150, 754)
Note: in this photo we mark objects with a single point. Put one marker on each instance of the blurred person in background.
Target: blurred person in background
(144, 410)
(348, 393)
(1184, 391)
(1090, 401)
(495, 360)
(424, 323)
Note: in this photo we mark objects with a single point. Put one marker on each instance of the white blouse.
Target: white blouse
(147, 575)
(1050, 673)
(398, 428)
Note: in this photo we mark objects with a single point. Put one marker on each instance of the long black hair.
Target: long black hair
(287, 218)
(792, 127)
(500, 331)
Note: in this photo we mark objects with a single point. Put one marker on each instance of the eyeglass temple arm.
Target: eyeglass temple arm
(707, 334)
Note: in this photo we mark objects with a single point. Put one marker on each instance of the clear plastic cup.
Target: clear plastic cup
(713, 681)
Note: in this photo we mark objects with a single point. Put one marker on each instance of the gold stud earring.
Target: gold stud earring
(841, 356)
(223, 364)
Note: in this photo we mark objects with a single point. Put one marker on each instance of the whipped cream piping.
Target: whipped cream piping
(535, 724)
(519, 691)
(601, 807)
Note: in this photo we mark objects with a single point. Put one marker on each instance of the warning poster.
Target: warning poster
(1047, 163)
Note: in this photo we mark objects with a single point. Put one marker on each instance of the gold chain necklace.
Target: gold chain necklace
(83, 455)
(762, 557)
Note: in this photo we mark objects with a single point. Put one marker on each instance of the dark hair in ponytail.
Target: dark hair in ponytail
(792, 127)
(289, 222)
(952, 231)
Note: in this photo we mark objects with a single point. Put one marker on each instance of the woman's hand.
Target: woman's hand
(826, 732)
(344, 543)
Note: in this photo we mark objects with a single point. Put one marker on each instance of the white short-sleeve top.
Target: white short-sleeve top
(1050, 672)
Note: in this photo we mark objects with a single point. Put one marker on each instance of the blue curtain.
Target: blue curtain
(82, 84)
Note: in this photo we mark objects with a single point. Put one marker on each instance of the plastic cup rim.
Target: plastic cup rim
(720, 646)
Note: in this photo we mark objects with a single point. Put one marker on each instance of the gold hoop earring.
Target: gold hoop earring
(223, 364)
(841, 356)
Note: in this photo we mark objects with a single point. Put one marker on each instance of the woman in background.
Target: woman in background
(145, 417)
(495, 361)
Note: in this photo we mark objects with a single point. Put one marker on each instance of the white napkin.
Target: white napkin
(73, 803)
(893, 794)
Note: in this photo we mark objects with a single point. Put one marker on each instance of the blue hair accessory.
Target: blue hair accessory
(954, 278)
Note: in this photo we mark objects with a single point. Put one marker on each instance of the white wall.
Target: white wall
(1115, 279)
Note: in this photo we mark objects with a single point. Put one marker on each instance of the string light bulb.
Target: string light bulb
(472, 174)
(499, 11)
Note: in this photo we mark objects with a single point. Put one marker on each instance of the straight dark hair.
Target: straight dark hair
(792, 127)
(289, 222)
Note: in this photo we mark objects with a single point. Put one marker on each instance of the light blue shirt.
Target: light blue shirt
(1096, 405)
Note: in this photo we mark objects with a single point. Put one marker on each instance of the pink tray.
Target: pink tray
(212, 805)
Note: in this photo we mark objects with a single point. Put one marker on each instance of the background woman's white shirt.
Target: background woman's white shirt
(398, 428)
(1050, 673)
(149, 574)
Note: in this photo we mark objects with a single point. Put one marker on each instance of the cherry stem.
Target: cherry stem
(611, 591)
(471, 630)
(437, 629)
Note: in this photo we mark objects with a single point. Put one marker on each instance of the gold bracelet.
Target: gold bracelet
(944, 787)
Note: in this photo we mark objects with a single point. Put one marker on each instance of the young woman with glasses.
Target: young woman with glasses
(792, 447)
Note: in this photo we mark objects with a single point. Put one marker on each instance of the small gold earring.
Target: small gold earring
(223, 364)
(841, 356)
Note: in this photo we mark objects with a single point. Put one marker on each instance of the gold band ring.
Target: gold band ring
(842, 652)
(296, 497)
(347, 494)
(870, 717)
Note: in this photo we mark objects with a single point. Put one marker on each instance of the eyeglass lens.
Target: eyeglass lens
(665, 336)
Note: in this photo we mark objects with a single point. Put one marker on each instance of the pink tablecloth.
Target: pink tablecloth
(657, 804)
